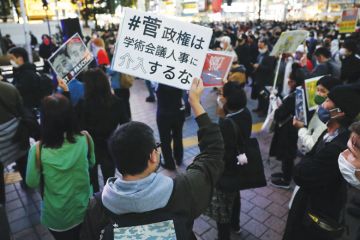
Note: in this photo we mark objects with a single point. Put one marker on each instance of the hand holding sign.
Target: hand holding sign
(196, 90)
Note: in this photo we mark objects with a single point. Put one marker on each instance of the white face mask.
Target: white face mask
(14, 64)
(343, 52)
(262, 51)
(348, 171)
(222, 45)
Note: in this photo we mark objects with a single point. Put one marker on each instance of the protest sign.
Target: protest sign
(160, 49)
(310, 91)
(288, 42)
(300, 105)
(71, 58)
(349, 20)
(216, 68)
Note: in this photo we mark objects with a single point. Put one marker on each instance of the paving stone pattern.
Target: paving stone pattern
(263, 210)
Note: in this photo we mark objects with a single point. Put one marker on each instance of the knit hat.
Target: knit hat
(328, 82)
(347, 98)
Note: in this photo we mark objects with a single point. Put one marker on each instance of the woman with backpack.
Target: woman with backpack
(225, 204)
(100, 112)
(59, 163)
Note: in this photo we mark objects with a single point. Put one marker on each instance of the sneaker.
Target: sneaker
(277, 175)
(150, 99)
(237, 230)
(280, 183)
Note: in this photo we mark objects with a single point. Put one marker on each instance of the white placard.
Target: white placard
(160, 49)
(289, 41)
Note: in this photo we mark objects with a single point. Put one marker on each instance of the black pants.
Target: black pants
(71, 234)
(106, 164)
(124, 94)
(224, 229)
(287, 165)
(170, 129)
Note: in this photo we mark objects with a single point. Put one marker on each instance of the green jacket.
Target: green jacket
(66, 182)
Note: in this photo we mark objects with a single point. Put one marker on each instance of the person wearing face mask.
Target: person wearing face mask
(263, 75)
(285, 150)
(322, 188)
(350, 68)
(141, 195)
(225, 205)
(46, 49)
(349, 165)
(325, 65)
(225, 45)
(309, 135)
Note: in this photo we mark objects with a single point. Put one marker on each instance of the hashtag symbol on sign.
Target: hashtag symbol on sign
(134, 23)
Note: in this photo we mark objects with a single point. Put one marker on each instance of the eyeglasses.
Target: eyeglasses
(157, 146)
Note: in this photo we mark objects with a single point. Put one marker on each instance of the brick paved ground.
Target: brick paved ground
(263, 211)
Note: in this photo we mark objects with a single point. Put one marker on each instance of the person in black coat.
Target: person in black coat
(170, 119)
(284, 142)
(46, 49)
(243, 53)
(322, 188)
(263, 76)
(100, 112)
(350, 67)
(225, 206)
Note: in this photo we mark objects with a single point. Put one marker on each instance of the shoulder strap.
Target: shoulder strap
(38, 155)
(87, 135)
(39, 166)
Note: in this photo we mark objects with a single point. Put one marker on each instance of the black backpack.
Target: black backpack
(136, 224)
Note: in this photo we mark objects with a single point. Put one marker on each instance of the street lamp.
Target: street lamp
(46, 8)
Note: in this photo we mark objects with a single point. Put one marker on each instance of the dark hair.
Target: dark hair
(57, 120)
(296, 75)
(350, 45)
(235, 96)
(355, 128)
(322, 51)
(97, 86)
(328, 82)
(45, 36)
(19, 52)
(130, 147)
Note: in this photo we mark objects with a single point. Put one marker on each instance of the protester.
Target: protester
(325, 66)
(170, 119)
(263, 76)
(349, 165)
(100, 112)
(59, 163)
(350, 68)
(225, 206)
(322, 188)
(142, 196)
(100, 53)
(243, 53)
(285, 151)
(309, 135)
(10, 150)
(46, 49)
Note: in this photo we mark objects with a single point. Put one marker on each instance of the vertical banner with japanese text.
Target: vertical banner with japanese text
(300, 105)
(160, 49)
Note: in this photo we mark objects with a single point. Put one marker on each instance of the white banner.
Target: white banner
(160, 49)
(289, 41)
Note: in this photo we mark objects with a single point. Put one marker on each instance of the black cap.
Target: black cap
(347, 98)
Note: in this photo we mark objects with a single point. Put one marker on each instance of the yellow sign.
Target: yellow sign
(348, 21)
(35, 10)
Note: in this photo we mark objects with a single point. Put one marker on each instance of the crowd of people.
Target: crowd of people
(86, 123)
